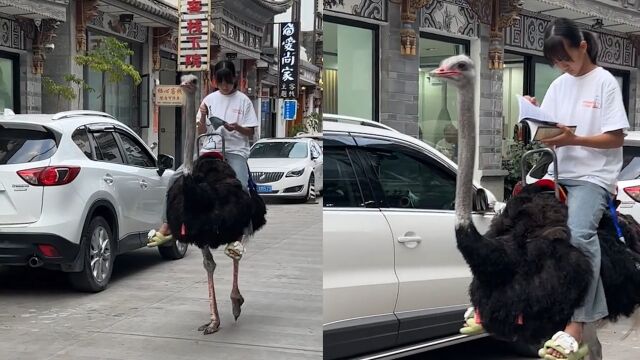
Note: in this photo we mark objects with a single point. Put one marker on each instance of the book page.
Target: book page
(530, 112)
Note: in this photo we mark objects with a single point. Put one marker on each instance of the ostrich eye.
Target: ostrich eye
(462, 66)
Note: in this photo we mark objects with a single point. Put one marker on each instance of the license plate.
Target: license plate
(264, 188)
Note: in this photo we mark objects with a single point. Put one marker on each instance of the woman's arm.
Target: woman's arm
(608, 140)
(201, 123)
(246, 131)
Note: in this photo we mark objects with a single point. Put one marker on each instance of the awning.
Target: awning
(613, 16)
(36, 9)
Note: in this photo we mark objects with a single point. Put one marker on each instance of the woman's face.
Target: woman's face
(225, 88)
(579, 60)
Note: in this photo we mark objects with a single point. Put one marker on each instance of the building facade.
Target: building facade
(378, 54)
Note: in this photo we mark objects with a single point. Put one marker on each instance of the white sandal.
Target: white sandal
(235, 250)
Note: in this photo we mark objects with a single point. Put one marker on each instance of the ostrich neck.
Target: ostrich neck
(466, 154)
(189, 113)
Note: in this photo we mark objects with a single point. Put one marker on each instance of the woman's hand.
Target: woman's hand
(231, 127)
(565, 139)
(531, 100)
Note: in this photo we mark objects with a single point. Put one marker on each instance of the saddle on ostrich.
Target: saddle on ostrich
(527, 277)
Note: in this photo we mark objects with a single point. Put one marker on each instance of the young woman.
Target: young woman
(239, 122)
(589, 161)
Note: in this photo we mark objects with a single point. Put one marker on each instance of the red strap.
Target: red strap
(183, 230)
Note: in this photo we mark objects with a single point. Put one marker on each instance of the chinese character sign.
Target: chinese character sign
(193, 52)
(169, 95)
(289, 59)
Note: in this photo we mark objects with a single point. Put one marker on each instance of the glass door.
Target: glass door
(9, 82)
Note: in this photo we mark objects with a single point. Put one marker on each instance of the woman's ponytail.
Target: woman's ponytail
(592, 45)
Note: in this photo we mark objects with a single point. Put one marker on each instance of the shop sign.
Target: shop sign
(193, 52)
(289, 109)
(169, 95)
(289, 60)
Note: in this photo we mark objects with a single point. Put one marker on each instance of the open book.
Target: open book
(216, 122)
(540, 124)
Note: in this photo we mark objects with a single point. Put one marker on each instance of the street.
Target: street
(152, 308)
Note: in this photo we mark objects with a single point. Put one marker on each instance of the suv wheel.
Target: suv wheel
(98, 247)
(311, 189)
(175, 251)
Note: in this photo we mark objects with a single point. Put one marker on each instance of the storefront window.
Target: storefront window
(437, 101)
(544, 76)
(121, 99)
(512, 85)
(6, 84)
(348, 72)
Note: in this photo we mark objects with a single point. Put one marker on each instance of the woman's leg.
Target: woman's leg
(586, 202)
(239, 164)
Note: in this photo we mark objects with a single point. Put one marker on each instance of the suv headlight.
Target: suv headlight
(295, 173)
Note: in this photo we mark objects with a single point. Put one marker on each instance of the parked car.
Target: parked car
(315, 136)
(77, 189)
(629, 178)
(392, 273)
(287, 167)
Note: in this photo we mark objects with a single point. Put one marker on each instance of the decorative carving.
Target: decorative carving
(408, 10)
(370, 9)
(451, 16)
(11, 35)
(41, 32)
(498, 14)
(86, 10)
(160, 37)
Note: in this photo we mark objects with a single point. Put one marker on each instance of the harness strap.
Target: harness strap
(614, 217)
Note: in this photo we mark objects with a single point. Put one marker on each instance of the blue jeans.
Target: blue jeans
(587, 202)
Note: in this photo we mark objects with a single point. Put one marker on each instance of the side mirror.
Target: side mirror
(165, 162)
(481, 201)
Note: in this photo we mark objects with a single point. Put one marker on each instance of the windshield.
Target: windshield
(630, 163)
(280, 150)
(19, 146)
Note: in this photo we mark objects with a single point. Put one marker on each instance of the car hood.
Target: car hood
(276, 164)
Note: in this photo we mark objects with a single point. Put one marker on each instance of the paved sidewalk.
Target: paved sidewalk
(153, 308)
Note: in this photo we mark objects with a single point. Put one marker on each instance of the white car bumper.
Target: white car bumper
(286, 187)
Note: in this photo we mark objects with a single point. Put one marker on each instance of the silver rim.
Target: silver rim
(100, 254)
(182, 248)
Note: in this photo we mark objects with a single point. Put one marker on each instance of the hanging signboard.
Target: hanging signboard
(289, 110)
(193, 51)
(169, 95)
(289, 57)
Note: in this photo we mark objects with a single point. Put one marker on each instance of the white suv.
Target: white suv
(76, 189)
(392, 273)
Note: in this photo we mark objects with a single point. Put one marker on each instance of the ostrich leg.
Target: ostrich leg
(210, 266)
(236, 298)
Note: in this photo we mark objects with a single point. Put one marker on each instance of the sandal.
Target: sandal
(155, 238)
(564, 344)
(235, 250)
(472, 327)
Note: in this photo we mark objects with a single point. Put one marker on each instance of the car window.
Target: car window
(410, 180)
(21, 146)
(135, 152)
(341, 187)
(81, 139)
(107, 148)
(630, 163)
(279, 150)
(314, 150)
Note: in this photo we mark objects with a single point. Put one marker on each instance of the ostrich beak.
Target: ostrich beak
(443, 72)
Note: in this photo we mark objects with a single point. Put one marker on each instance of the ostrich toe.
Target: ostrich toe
(236, 302)
(210, 327)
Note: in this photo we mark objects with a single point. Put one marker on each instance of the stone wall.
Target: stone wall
(634, 101)
(398, 79)
(30, 84)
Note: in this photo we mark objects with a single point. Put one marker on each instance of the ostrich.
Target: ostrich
(208, 207)
(527, 277)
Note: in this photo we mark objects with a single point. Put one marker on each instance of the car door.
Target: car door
(152, 187)
(359, 282)
(117, 178)
(418, 194)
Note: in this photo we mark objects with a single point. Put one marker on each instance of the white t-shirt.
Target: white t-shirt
(593, 103)
(235, 108)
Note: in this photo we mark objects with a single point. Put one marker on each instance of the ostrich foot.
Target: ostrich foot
(210, 327)
(236, 302)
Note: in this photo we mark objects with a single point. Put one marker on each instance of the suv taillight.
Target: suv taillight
(50, 176)
(633, 192)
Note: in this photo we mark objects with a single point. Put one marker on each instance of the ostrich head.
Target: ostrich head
(457, 70)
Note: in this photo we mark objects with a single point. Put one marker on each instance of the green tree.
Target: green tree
(513, 164)
(66, 90)
(312, 122)
(109, 58)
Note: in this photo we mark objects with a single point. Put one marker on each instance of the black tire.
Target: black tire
(311, 195)
(175, 251)
(86, 280)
